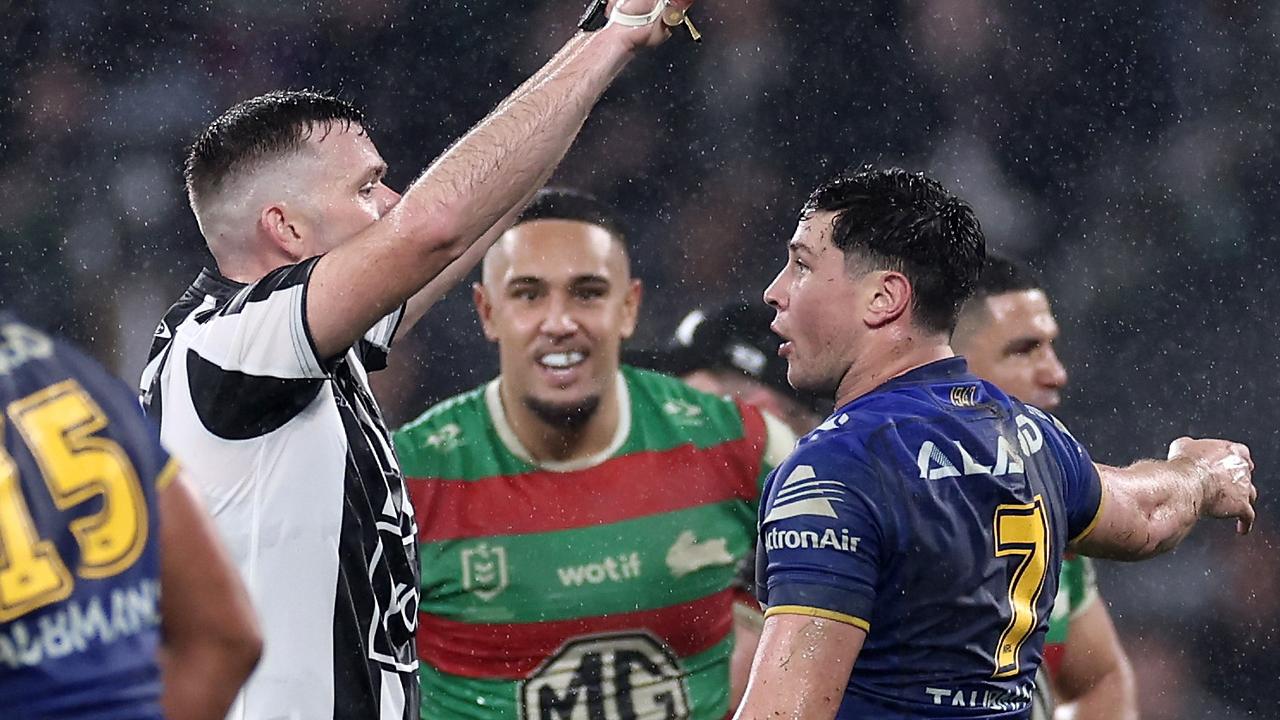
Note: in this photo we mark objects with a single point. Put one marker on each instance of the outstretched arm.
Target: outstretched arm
(469, 189)
(1150, 506)
(801, 668)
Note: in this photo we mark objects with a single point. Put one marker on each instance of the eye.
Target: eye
(367, 190)
(800, 266)
(590, 293)
(524, 293)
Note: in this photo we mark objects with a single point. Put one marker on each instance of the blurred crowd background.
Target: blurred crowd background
(1125, 150)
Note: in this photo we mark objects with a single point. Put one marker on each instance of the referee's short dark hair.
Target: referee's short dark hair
(257, 129)
(558, 203)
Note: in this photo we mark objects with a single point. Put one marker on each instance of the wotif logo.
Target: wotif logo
(611, 569)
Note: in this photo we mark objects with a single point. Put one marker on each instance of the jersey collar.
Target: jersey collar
(493, 400)
(952, 369)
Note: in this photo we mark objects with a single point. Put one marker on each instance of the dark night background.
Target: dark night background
(1127, 151)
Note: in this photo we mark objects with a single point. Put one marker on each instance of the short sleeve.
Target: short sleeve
(262, 331)
(374, 347)
(821, 532)
(1082, 489)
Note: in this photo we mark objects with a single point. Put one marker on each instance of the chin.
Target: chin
(565, 413)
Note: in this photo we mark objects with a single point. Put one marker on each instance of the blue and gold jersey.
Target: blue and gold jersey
(932, 513)
(79, 558)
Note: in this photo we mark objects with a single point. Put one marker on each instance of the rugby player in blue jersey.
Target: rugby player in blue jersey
(115, 599)
(910, 545)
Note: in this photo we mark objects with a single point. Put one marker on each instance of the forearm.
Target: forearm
(1154, 505)
(201, 679)
(1112, 697)
(515, 149)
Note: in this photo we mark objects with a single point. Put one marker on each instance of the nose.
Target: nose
(559, 321)
(774, 296)
(1051, 373)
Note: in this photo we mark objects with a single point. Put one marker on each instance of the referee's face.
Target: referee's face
(346, 192)
(558, 299)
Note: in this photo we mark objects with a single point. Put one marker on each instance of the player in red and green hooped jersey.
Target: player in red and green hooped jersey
(581, 522)
(1006, 332)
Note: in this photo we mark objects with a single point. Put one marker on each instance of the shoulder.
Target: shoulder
(665, 406)
(445, 433)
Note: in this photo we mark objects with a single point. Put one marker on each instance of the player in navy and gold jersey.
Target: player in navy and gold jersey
(87, 499)
(910, 546)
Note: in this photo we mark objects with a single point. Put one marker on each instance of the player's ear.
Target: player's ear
(889, 294)
(277, 225)
(484, 309)
(631, 308)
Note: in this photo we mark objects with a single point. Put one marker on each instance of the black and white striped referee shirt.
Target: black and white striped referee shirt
(293, 459)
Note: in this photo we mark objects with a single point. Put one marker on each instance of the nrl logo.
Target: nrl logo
(484, 570)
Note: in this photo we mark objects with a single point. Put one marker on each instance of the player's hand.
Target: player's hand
(651, 35)
(1229, 490)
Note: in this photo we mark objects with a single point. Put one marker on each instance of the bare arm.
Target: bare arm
(1095, 673)
(1150, 506)
(747, 624)
(455, 271)
(467, 190)
(801, 669)
(211, 639)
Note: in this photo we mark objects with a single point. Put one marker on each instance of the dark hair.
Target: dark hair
(556, 203)
(895, 220)
(1001, 275)
(259, 128)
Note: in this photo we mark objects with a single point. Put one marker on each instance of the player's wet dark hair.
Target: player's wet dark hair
(1001, 275)
(257, 129)
(556, 203)
(895, 220)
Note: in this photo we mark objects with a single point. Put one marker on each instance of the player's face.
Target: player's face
(817, 301)
(558, 298)
(345, 192)
(1014, 348)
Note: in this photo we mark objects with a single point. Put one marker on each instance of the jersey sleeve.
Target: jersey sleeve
(1082, 489)
(822, 533)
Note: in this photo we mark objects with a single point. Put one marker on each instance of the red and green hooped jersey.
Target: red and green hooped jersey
(595, 589)
(1077, 588)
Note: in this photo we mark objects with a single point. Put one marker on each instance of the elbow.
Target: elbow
(241, 648)
(440, 236)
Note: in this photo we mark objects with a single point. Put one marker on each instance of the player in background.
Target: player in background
(260, 368)
(582, 522)
(115, 599)
(911, 544)
(1006, 332)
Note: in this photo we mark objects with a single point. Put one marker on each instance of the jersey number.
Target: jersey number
(1021, 531)
(58, 425)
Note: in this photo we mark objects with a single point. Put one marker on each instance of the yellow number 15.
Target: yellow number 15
(59, 425)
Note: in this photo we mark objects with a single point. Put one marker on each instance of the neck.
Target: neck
(904, 353)
(553, 443)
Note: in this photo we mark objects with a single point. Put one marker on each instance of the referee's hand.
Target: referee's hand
(651, 35)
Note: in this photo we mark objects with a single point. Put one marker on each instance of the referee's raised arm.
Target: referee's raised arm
(472, 192)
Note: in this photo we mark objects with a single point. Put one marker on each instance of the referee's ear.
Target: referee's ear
(282, 233)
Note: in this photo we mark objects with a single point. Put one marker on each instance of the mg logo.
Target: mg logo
(484, 570)
(625, 676)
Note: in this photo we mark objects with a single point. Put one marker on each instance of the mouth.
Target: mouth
(786, 347)
(562, 367)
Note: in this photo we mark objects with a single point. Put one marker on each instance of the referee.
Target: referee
(259, 372)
